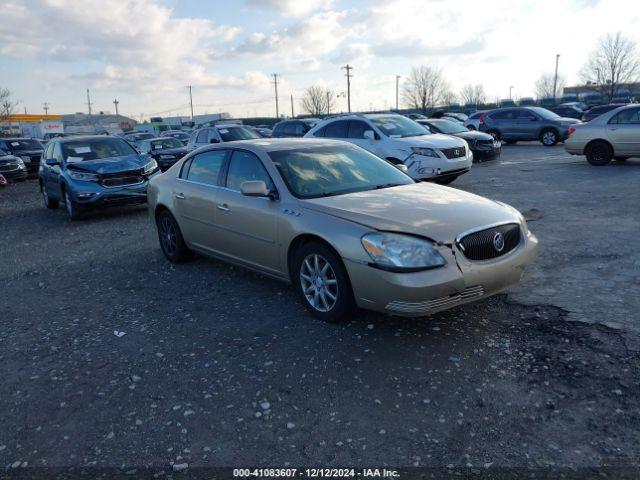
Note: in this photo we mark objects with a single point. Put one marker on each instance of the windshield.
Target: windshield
(446, 126)
(24, 144)
(230, 134)
(334, 170)
(136, 137)
(95, 149)
(166, 143)
(398, 126)
(544, 113)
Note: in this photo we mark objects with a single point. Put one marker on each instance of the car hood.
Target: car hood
(111, 165)
(474, 135)
(8, 158)
(568, 120)
(435, 140)
(433, 211)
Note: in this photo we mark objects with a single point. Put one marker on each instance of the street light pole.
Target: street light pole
(555, 77)
(510, 88)
(397, 79)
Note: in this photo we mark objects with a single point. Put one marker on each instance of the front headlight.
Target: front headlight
(150, 167)
(19, 162)
(397, 252)
(25, 159)
(425, 152)
(83, 176)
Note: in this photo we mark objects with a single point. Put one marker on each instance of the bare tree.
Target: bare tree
(7, 105)
(615, 61)
(425, 87)
(544, 86)
(449, 97)
(318, 100)
(473, 94)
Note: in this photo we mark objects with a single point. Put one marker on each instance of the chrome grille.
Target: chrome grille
(122, 180)
(454, 152)
(8, 167)
(429, 306)
(482, 245)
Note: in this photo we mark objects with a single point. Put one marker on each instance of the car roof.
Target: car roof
(276, 144)
(82, 137)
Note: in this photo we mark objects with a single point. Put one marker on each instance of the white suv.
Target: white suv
(220, 133)
(400, 140)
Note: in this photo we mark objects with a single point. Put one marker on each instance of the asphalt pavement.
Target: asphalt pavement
(112, 357)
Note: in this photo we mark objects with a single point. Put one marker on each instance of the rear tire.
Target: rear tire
(322, 282)
(599, 153)
(511, 142)
(170, 237)
(48, 202)
(549, 137)
(471, 128)
(620, 159)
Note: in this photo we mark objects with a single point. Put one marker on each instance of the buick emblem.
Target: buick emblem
(498, 242)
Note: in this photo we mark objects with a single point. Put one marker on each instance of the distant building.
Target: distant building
(31, 126)
(83, 123)
(633, 88)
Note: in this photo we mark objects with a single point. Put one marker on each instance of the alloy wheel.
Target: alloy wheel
(169, 235)
(319, 283)
(549, 138)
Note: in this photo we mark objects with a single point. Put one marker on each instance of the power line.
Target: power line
(275, 84)
(348, 68)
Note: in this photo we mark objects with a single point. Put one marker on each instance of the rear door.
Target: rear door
(527, 124)
(623, 130)
(247, 226)
(195, 195)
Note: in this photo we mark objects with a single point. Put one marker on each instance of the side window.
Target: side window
(244, 167)
(205, 167)
(57, 152)
(357, 128)
(184, 171)
(48, 151)
(627, 117)
(289, 129)
(499, 115)
(319, 132)
(524, 115)
(300, 129)
(277, 130)
(202, 136)
(337, 129)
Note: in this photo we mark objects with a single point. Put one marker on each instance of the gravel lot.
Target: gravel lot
(222, 367)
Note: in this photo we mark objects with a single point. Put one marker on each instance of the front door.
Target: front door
(247, 226)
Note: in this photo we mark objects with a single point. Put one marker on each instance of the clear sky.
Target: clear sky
(145, 52)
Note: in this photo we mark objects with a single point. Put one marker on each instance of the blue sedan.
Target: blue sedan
(89, 172)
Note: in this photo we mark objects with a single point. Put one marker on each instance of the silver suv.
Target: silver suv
(525, 124)
(219, 134)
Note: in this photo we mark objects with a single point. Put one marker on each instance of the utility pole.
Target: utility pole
(292, 114)
(348, 68)
(191, 102)
(275, 84)
(45, 106)
(88, 101)
(510, 88)
(328, 102)
(116, 102)
(555, 77)
(397, 83)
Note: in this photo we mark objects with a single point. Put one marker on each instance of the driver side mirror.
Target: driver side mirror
(369, 135)
(51, 162)
(403, 168)
(255, 188)
(214, 140)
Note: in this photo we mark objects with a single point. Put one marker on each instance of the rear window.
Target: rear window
(230, 134)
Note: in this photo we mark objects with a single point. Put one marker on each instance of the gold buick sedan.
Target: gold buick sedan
(345, 227)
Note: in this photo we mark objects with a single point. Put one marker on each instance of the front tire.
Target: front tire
(322, 282)
(511, 142)
(73, 211)
(171, 240)
(549, 137)
(598, 153)
(471, 128)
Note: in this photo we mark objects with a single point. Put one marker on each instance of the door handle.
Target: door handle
(224, 207)
(180, 196)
